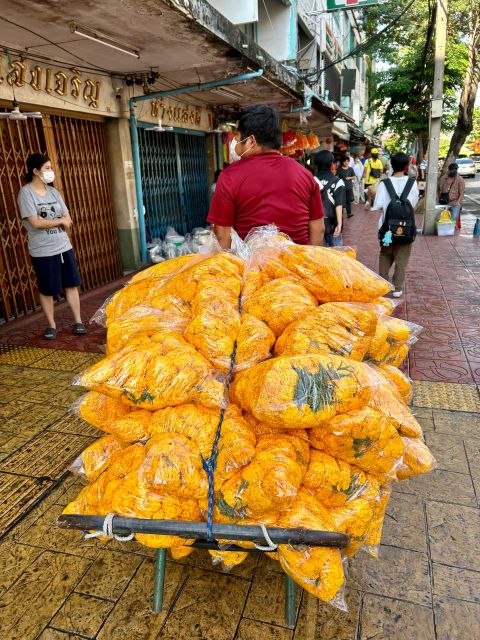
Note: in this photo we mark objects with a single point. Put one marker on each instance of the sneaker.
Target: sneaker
(397, 294)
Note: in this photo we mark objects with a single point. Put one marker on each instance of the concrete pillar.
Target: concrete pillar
(123, 191)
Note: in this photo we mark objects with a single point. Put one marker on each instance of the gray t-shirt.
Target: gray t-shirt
(43, 242)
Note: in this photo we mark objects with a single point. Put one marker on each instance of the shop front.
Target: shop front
(72, 130)
(177, 159)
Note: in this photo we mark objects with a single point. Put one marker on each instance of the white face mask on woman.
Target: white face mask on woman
(48, 176)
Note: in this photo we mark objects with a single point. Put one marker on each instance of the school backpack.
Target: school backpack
(399, 225)
(330, 215)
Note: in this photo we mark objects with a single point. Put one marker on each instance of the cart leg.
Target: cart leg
(159, 580)
(290, 604)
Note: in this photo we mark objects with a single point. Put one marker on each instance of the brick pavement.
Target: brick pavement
(425, 585)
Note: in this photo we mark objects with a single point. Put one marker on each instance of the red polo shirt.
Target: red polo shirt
(267, 188)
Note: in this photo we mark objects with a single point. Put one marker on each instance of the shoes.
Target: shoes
(50, 333)
(397, 294)
(350, 216)
(79, 329)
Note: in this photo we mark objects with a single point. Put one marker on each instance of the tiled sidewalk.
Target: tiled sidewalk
(442, 294)
(54, 585)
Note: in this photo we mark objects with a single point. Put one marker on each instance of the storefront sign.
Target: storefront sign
(335, 5)
(47, 79)
(171, 114)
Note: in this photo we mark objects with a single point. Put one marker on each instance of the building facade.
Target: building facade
(81, 86)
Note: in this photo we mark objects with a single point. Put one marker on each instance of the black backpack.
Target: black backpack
(330, 215)
(399, 216)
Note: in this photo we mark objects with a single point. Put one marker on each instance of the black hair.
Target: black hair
(344, 157)
(453, 165)
(323, 160)
(399, 161)
(35, 161)
(217, 175)
(263, 122)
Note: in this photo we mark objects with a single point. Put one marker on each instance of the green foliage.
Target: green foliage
(475, 133)
(400, 88)
(393, 144)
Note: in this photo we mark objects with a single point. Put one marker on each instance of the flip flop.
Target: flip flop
(79, 329)
(50, 333)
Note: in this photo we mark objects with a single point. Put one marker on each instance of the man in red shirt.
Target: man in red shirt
(265, 187)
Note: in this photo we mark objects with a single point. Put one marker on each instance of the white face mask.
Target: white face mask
(233, 145)
(233, 155)
(48, 176)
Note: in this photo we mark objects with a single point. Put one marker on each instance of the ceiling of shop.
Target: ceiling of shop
(177, 47)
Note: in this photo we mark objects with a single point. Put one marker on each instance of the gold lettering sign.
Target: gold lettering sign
(181, 115)
(19, 73)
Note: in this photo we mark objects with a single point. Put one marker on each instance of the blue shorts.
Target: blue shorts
(56, 273)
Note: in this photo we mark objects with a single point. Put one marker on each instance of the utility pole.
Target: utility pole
(436, 112)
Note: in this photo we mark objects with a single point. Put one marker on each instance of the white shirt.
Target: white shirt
(382, 199)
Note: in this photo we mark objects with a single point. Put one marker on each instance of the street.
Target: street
(471, 205)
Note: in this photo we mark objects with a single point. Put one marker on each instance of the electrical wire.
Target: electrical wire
(361, 48)
(38, 35)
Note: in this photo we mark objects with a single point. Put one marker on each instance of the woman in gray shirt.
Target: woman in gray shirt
(47, 221)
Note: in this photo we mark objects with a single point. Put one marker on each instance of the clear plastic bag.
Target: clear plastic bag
(333, 482)
(366, 439)
(392, 340)
(340, 328)
(152, 376)
(319, 570)
(417, 459)
(329, 275)
(292, 392)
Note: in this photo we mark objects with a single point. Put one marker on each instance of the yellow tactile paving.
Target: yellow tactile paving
(64, 360)
(444, 395)
(23, 356)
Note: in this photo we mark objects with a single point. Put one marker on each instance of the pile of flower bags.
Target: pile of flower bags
(254, 389)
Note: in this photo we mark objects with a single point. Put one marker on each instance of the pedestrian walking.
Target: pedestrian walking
(47, 221)
(451, 190)
(347, 174)
(358, 183)
(372, 173)
(397, 197)
(332, 188)
(264, 187)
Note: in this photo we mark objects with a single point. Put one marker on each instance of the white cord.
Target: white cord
(107, 531)
(272, 546)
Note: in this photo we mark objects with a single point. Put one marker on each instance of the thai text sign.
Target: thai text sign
(47, 79)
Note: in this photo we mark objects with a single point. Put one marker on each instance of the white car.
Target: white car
(466, 168)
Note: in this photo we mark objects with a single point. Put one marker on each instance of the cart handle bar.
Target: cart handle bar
(198, 530)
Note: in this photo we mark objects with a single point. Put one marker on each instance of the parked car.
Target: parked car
(466, 168)
(476, 160)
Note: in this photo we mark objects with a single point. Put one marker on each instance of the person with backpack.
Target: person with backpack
(332, 189)
(397, 197)
(347, 174)
(372, 173)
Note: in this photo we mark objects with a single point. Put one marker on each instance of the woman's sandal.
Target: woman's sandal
(79, 329)
(50, 333)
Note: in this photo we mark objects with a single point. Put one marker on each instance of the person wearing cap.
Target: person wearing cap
(451, 190)
(372, 173)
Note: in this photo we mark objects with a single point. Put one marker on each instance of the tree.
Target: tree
(401, 88)
(468, 95)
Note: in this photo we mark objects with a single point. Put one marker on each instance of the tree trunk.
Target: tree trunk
(470, 86)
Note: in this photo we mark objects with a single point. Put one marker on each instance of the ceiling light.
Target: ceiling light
(16, 114)
(159, 127)
(93, 34)
(228, 93)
